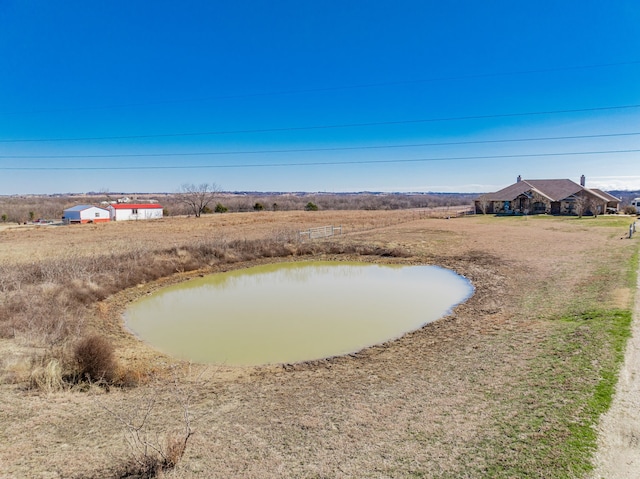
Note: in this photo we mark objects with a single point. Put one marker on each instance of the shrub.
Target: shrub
(258, 206)
(95, 359)
(629, 210)
(220, 208)
(4, 218)
(151, 457)
(311, 206)
(150, 453)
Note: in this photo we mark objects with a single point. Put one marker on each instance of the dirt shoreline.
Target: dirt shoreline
(110, 312)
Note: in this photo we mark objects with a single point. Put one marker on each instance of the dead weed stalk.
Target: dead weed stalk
(150, 450)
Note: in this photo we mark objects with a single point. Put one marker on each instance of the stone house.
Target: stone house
(555, 197)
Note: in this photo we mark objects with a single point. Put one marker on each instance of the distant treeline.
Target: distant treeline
(19, 209)
(243, 202)
(32, 207)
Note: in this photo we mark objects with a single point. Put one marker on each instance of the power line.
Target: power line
(338, 148)
(315, 163)
(338, 88)
(325, 127)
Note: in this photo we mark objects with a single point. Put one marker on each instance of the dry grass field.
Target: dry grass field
(508, 386)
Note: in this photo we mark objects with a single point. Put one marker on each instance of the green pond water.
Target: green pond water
(290, 312)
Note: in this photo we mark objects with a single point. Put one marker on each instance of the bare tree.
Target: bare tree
(580, 205)
(593, 207)
(197, 197)
(484, 203)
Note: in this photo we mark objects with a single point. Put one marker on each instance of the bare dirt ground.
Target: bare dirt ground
(480, 393)
(618, 455)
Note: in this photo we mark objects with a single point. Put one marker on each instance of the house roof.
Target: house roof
(554, 190)
(508, 193)
(605, 195)
(82, 208)
(138, 206)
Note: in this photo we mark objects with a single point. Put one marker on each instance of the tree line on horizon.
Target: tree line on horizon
(20, 209)
(208, 198)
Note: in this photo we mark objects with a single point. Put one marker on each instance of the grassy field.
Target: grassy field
(508, 386)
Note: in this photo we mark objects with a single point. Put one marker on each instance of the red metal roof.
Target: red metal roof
(129, 206)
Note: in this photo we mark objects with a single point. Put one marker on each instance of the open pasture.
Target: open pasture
(509, 385)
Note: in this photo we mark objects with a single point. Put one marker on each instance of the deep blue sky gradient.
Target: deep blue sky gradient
(74, 70)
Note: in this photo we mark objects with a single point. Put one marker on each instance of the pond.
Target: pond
(291, 312)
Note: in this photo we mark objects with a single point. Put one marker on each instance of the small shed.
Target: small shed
(134, 211)
(85, 214)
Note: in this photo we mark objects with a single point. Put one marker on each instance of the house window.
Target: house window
(97, 214)
(539, 206)
(134, 211)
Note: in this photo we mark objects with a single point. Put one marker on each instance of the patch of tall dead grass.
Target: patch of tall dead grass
(45, 303)
(48, 377)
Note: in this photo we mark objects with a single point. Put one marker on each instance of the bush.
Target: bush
(220, 208)
(95, 359)
(311, 206)
(630, 210)
(258, 206)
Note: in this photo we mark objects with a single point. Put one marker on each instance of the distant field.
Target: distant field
(19, 209)
(509, 385)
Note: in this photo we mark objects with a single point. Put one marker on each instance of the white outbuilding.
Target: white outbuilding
(134, 211)
(85, 214)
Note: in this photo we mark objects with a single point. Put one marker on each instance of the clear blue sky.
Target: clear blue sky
(223, 92)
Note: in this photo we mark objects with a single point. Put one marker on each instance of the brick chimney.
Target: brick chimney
(518, 179)
(583, 180)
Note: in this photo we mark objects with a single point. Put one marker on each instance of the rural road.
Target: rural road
(618, 455)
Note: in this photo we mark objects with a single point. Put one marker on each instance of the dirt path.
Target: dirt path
(618, 455)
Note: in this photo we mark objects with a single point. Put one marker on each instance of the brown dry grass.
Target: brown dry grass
(485, 392)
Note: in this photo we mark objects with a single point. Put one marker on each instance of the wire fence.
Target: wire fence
(321, 232)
